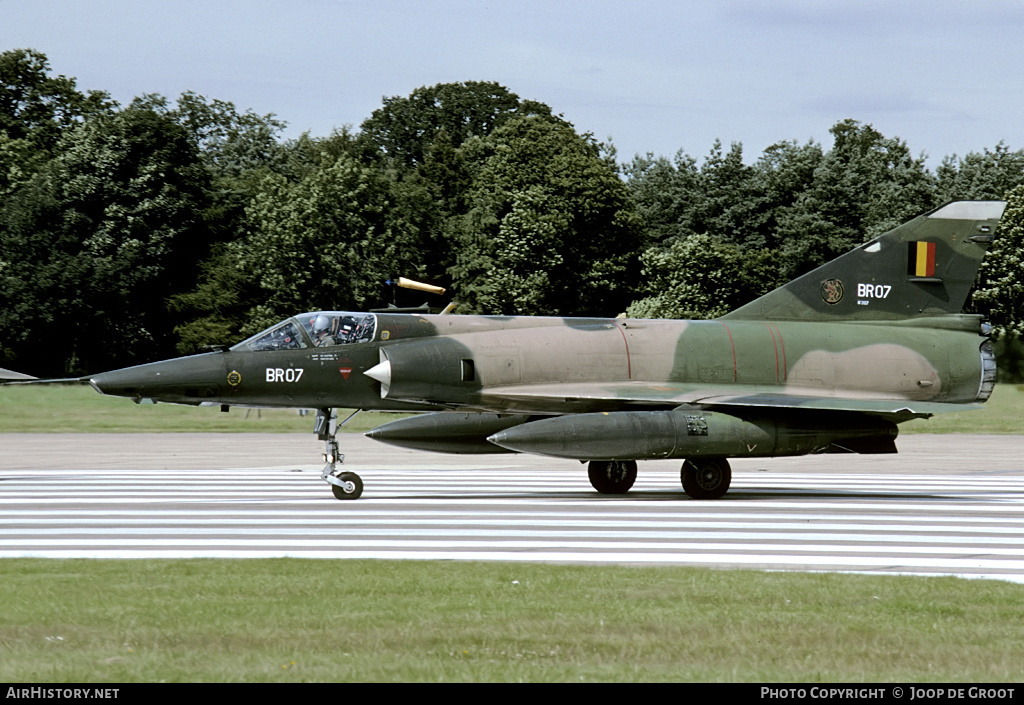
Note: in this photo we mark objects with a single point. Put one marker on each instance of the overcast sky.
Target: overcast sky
(946, 76)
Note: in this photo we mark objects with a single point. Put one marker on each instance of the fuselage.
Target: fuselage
(471, 362)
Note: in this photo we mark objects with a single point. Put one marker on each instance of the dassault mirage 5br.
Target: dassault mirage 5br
(830, 362)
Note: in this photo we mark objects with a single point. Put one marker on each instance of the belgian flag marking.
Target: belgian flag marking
(921, 259)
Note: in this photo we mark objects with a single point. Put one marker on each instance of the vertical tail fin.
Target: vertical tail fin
(923, 267)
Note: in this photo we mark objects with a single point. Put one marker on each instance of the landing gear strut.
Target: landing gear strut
(344, 485)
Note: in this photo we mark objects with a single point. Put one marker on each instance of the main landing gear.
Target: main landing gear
(612, 476)
(706, 478)
(344, 485)
(703, 478)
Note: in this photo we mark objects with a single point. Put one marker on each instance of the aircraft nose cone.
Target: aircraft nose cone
(97, 384)
(116, 383)
(182, 380)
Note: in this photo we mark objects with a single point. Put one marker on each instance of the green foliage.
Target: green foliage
(405, 130)
(508, 262)
(19, 160)
(794, 209)
(239, 152)
(213, 313)
(328, 240)
(699, 277)
(551, 229)
(783, 173)
(865, 185)
(35, 110)
(988, 175)
(663, 191)
(231, 143)
(728, 204)
(999, 290)
(39, 108)
(95, 242)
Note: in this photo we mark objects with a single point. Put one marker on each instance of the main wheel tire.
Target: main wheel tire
(353, 489)
(706, 478)
(612, 476)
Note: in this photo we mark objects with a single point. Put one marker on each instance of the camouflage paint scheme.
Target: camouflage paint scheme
(830, 362)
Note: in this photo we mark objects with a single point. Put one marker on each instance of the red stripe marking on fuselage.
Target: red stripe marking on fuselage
(780, 346)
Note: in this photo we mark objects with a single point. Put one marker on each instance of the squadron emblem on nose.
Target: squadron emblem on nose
(234, 378)
(831, 291)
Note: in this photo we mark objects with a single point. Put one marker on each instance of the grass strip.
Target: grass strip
(292, 620)
(79, 409)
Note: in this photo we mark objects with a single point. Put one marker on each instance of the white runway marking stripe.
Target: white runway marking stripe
(960, 525)
(835, 552)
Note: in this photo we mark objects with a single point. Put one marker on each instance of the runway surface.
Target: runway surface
(950, 505)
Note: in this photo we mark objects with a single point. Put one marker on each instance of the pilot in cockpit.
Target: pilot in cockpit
(321, 330)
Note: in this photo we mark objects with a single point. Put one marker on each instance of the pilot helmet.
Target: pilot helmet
(321, 324)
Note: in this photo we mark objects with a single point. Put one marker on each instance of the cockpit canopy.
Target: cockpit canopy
(317, 329)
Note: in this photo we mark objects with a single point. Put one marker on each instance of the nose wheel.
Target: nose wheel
(344, 485)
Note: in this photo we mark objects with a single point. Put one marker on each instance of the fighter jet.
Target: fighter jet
(831, 362)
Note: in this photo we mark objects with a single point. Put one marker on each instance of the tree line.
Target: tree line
(134, 232)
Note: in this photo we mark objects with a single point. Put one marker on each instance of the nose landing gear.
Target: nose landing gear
(344, 485)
